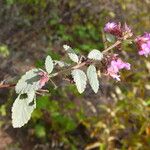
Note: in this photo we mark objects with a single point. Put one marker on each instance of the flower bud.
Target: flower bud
(113, 28)
(117, 30)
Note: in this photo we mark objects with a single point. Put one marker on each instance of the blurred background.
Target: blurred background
(117, 118)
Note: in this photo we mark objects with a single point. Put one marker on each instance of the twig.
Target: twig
(111, 47)
(55, 86)
(85, 62)
(2, 86)
(72, 67)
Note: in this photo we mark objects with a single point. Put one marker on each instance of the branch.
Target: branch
(85, 62)
(72, 67)
(2, 86)
(112, 46)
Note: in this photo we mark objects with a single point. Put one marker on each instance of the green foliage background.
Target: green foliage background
(118, 116)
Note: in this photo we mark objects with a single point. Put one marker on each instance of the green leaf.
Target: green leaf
(110, 38)
(80, 79)
(30, 81)
(148, 102)
(49, 66)
(71, 53)
(43, 102)
(10, 2)
(22, 110)
(93, 79)
(40, 131)
(64, 123)
(95, 54)
(3, 111)
(4, 51)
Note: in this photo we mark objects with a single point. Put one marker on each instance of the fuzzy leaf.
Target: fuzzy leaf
(49, 66)
(31, 96)
(80, 79)
(71, 53)
(95, 54)
(92, 76)
(22, 110)
(30, 81)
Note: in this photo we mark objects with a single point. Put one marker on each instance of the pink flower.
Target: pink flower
(143, 44)
(118, 30)
(113, 28)
(114, 67)
(43, 78)
(111, 72)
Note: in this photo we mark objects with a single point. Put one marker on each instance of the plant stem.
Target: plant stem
(85, 62)
(111, 47)
(72, 67)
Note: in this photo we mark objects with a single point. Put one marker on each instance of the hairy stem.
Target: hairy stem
(112, 46)
(85, 62)
(72, 67)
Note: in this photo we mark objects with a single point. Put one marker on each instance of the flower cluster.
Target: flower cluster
(143, 44)
(44, 78)
(117, 30)
(124, 32)
(115, 65)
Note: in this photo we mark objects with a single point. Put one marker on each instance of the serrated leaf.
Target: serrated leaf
(110, 38)
(22, 110)
(93, 79)
(80, 79)
(95, 54)
(30, 81)
(49, 66)
(72, 55)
